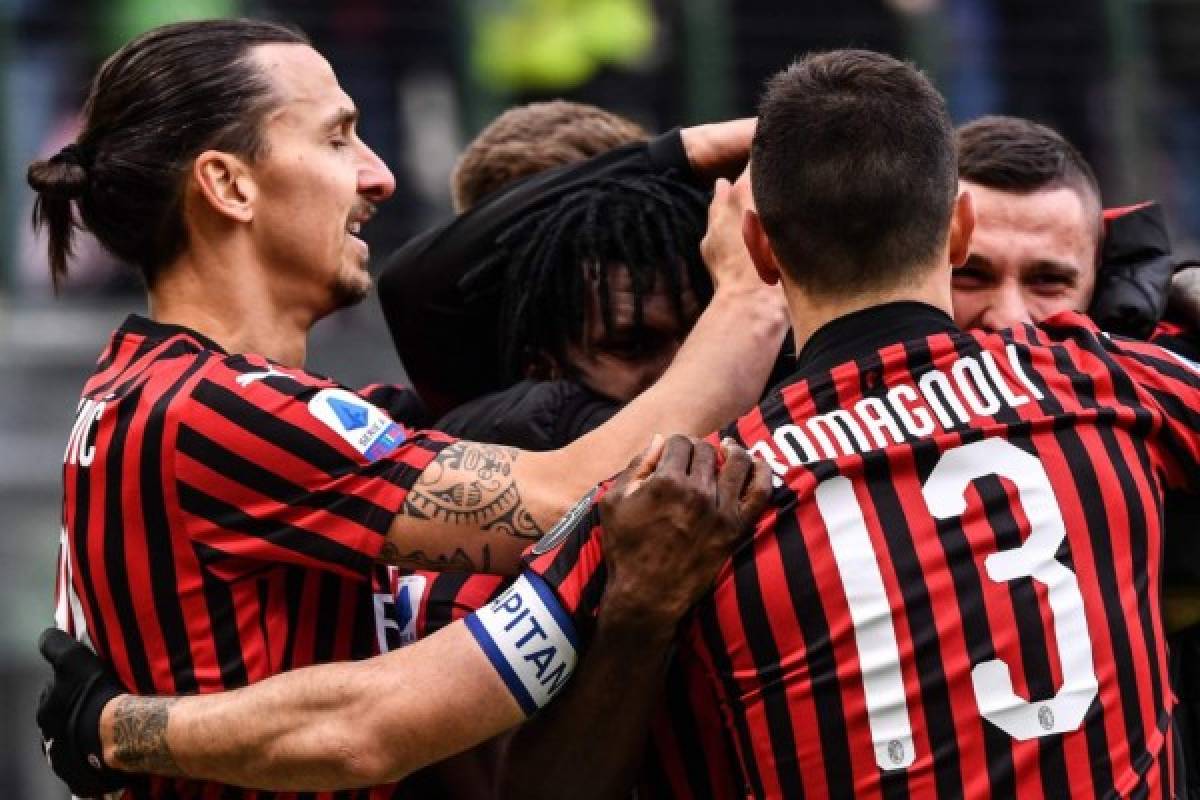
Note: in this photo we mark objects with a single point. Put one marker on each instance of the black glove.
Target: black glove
(69, 715)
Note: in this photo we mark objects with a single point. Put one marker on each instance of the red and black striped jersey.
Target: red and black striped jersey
(221, 520)
(955, 590)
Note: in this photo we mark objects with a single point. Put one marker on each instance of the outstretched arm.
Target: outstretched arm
(671, 521)
(511, 496)
(335, 726)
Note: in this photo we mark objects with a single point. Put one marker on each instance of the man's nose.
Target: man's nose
(375, 180)
(1006, 309)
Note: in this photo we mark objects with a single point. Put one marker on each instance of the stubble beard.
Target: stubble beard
(351, 289)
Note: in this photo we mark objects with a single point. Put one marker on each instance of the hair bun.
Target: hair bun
(63, 174)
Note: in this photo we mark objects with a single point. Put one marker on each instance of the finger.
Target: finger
(734, 475)
(757, 494)
(676, 457)
(720, 192)
(703, 471)
(641, 467)
(55, 645)
(648, 459)
(742, 184)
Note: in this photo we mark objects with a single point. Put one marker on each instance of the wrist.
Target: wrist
(760, 308)
(649, 619)
(108, 748)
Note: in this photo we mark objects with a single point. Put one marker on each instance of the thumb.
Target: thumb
(55, 645)
(648, 460)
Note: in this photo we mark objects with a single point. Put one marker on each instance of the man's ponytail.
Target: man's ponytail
(58, 181)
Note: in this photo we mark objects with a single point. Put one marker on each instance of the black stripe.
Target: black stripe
(1161, 362)
(228, 517)
(364, 638)
(262, 480)
(441, 600)
(81, 564)
(329, 601)
(223, 616)
(677, 701)
(293, 593)
(164, 585)
(718, 651)
(271, 428)
(116, 481)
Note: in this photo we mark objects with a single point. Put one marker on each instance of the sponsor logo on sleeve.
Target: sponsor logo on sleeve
(555, 535)
(365, 427)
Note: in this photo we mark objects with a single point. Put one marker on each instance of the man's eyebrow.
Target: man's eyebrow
(342, 118)
(976, 260)
(1061, 267)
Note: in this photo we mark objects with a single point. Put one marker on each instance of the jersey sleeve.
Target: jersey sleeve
(570, 560)
(449, 596)
(276, 466)
(1172, 382)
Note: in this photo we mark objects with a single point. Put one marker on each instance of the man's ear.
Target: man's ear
(759, 247)
(962, 225)
(225, 182)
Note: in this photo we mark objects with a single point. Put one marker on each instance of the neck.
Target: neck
(809, 313)
(228, 299)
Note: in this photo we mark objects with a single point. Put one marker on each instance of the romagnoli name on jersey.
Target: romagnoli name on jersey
(972, 387)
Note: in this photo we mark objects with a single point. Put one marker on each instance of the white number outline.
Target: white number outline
(944, 493)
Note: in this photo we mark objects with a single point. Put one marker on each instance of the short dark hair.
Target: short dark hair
(1019, 155)
(853, 171)
(649, 223)
(154, 105)
(532, 138)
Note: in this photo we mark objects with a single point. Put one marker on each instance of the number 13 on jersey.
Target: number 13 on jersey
(944, 493)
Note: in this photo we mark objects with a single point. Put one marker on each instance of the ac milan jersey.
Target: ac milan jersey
(221, 520)
(955, 590)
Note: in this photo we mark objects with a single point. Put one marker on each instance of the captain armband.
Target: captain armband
(529, 639)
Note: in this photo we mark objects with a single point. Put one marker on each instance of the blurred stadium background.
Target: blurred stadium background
(1121, 78)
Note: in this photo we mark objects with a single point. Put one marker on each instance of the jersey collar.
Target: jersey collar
(865, 331)
(151, 329)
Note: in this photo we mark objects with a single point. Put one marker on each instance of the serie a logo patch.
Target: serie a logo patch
(364, 426)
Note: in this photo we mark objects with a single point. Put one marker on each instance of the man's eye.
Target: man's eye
(338, 144)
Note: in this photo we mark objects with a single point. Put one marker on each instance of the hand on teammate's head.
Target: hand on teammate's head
(671, 520)
(723, 248)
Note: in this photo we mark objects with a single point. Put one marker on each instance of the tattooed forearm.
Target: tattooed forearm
(473, 484)
(457, 561)
(140, 735)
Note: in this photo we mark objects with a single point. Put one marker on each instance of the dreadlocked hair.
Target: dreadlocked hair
(651, 224)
